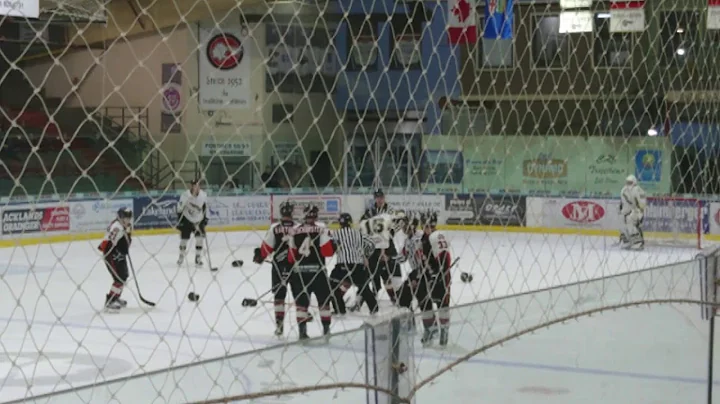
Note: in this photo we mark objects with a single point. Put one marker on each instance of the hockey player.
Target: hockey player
(192, 219)
(381, 229)
(310, 244)
(352, 249)
(380, 223)
(115, 248)
(412, 253)
(632, 209)
(434, 282)
(277, 240)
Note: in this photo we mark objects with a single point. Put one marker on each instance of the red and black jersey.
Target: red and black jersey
(277, 240)
(436, 254)
(116, 241)
(311, 244)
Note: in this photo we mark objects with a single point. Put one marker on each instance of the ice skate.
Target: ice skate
(444, 336)
(428, 336)
(326, 329)
(279, 328)
(198, 261)
(181, 259)
(302, 331)
(122, 302)
(112, 305)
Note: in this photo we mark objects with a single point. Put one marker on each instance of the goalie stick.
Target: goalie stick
(137, 284)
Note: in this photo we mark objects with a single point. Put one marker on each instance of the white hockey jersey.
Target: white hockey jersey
(412, 251)
(191, 206)
(378, 228)
(632, 200)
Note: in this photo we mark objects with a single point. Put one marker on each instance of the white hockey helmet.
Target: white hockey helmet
(631, 180)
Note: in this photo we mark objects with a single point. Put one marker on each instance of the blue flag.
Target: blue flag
(498, 19)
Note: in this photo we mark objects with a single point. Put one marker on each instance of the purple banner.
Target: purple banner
(171, 110)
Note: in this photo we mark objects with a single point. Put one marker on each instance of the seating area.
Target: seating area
(46, 164)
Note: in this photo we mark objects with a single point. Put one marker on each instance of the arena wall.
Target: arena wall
(28, 223)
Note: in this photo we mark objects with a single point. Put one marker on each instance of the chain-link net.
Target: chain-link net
(520, 139)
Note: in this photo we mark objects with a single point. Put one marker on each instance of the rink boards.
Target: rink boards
(83, 218)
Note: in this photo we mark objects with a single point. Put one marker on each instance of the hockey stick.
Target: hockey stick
(248, 302)
(207, 249)
(137, 284)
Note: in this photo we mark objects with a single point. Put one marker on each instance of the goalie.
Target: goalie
(632, 209)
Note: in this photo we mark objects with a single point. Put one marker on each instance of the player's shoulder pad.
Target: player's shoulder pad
(436, 236)
(116, 226)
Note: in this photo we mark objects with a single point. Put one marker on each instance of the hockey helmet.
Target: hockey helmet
(124, 213)
(287, 209)
(311, 212)
(631, 180)
(430, 219)
(345, 220)
(378, 193)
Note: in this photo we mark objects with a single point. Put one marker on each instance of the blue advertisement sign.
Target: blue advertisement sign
(155, 213)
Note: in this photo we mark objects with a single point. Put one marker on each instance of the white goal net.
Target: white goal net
(515, 121)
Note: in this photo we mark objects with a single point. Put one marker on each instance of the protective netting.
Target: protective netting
(520, 140)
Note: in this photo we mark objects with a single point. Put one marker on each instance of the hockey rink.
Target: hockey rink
(55, 336)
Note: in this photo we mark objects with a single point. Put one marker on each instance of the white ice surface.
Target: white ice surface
(53, 335)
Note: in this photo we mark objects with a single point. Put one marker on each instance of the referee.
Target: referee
(352, 249)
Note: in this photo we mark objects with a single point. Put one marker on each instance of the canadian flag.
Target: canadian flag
(462, 22)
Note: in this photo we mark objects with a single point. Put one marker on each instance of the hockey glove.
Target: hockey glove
(257, 256)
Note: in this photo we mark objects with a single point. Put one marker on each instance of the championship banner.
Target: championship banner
(713, 15)
(627, 16)
(171, 111)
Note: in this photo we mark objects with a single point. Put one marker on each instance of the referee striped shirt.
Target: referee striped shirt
(352, 246)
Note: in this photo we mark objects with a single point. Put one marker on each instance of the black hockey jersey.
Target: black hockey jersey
(277, 240)
(310, 245)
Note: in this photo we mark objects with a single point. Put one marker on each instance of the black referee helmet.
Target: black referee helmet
(345, 220)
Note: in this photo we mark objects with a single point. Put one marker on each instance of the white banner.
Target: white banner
(583, 213)
(410, 202)
(224, 64)
(573, 22)
(627, 20)
(714, 217)
(95, 215)
(20, 8)
(239, 210)
(330, 206)
(713, 15)
(226, 149)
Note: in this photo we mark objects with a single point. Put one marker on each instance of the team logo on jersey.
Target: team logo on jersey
(225, 51)
(583, 212)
